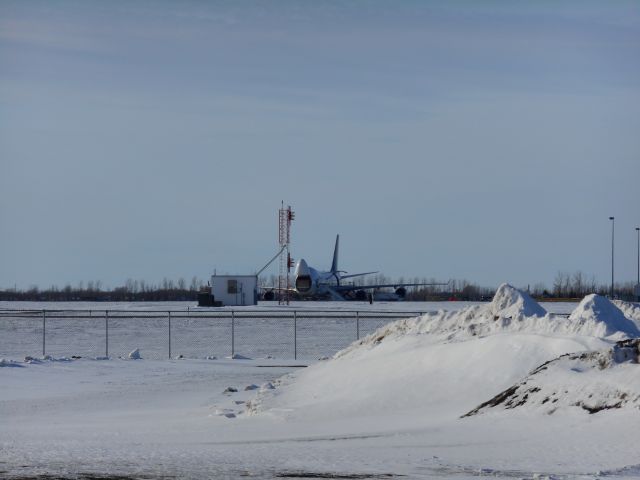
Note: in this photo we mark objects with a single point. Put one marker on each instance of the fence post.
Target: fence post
(295, 335)
(357, 325)
(106, 333)
(44, 329)
(233, 333)
(169, 315)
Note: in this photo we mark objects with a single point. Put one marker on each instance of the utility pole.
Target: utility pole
(638, 277)
(613, 229)
(285, 217)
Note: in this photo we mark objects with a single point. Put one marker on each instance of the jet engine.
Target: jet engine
(303, 282)
(401, 292)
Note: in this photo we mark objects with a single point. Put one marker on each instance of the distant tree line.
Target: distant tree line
(578, 284)
(131, 291)
(462, 290)
(565, 286)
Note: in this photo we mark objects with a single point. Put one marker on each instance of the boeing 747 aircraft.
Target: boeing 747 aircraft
(309, 282)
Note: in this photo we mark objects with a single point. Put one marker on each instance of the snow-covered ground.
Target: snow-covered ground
(392, 403)
(266, 330)
(554, 307)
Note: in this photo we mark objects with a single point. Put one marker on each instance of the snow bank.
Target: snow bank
(412, 380)
(439, 364)
(592, 381)
(630, 310)
(599, 316)
(9, 363)
(510, 311)
(48, 358)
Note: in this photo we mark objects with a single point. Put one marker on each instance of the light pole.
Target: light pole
(638, 278)
(613, 229)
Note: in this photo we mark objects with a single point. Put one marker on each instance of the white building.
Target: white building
(235, 290)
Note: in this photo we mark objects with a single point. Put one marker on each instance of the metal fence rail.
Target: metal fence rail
(297, 334)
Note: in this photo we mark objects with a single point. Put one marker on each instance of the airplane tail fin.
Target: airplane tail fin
(334, 264)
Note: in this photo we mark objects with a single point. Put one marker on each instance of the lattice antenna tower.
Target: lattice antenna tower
(285, 217)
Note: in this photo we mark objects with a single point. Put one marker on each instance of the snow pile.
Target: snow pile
(32, 360)
(443, 364)
(49, 358)
(509, 302)
(412, 380)
(237, 356)
(593, 381)
(510, 311)
(630, 310)
(599, 316)
(135, 355)
(9, 363)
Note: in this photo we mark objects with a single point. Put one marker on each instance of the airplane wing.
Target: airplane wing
(349, 288)
(355, 275)
(336, 291)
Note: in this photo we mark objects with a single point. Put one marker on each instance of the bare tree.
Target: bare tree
(577, 287)
(538, 289)
(557, 284)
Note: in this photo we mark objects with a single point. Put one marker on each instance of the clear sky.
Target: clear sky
(482, 140)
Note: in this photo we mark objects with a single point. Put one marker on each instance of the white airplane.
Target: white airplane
(309, 282)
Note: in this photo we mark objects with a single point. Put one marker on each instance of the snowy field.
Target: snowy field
(308, 331)
(553, 307)
(391, 404)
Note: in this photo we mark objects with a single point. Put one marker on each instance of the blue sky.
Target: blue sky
(482, 140)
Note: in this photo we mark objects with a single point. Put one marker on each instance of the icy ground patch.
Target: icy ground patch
(134, 418)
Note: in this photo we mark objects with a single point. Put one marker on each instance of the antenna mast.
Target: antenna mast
(285, 217)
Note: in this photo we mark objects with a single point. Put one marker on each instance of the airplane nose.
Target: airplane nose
(302, 269)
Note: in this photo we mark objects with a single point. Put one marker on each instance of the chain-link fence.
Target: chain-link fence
(286, 334)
